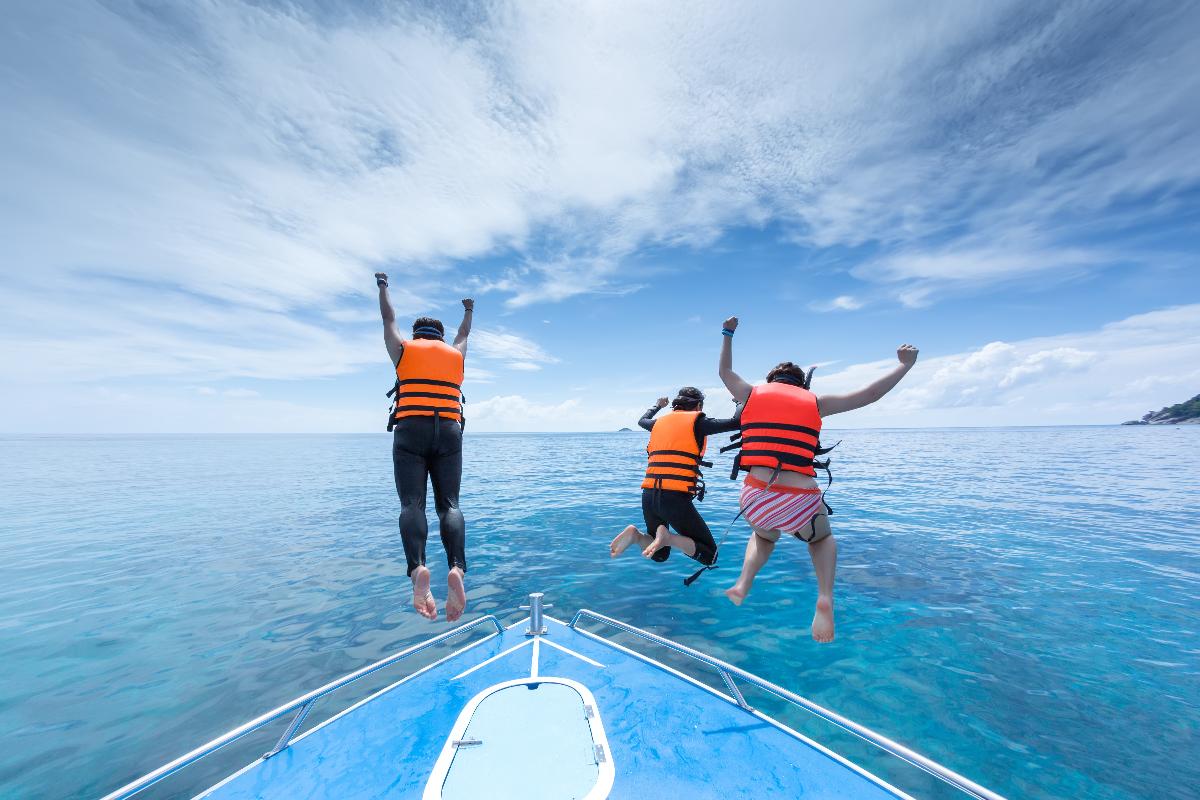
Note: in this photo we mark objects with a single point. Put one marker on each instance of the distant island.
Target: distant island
(625, 430)
(1186, 413)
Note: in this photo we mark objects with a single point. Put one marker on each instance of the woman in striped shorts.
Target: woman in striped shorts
(780, 429)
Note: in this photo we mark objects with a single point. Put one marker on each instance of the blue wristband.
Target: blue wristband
(726, 331)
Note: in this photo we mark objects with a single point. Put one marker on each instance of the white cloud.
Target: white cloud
(493, 344)
(358, 315)
(922, 275)
(292, 154)
(203, 191)
(509, 413)
(1109, 375)
(516, 351)
(555, 281)
(843, 302)
(1060, 359)
(476, 375)
(115, 331)
(39, 408)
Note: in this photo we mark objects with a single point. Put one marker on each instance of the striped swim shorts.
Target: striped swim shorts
(787, 509)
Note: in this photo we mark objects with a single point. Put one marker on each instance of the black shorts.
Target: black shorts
(676, 510)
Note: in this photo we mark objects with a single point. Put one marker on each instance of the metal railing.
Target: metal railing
(301, 705)
(728, 671)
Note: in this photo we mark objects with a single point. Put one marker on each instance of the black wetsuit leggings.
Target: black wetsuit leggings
(419, 450)
(676, 510)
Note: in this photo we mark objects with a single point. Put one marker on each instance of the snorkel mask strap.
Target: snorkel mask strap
(803, 381)
(429, 331)
(808, 377)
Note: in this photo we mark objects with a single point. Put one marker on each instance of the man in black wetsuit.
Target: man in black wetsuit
(673, 481)
(426, 422)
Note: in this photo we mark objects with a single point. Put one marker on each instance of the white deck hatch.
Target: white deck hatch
(536, 738)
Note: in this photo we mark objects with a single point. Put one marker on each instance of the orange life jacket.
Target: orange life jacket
(674, 455)
(428, 381)
(781, 428)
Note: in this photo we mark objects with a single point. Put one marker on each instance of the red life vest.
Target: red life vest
(428, 381)
(781, 428)
(674, 455)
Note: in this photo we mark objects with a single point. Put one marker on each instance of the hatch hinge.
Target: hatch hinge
(588, 711)
(467, 742)
(600, 754)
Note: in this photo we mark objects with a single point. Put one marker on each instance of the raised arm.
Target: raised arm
(837, 403)
(737, 387)
(391, 334)
(464, 328)
(647, 420)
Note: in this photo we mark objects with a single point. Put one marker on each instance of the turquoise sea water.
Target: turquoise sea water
(1020, 604)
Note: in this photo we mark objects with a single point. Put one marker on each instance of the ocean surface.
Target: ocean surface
(1020, 604)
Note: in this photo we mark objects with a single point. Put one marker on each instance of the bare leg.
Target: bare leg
(423, 600)
(630, 536)
(456, 595)
(664, 538)
(824, 558)
(758, 550)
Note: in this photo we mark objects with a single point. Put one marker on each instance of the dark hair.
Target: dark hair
(428, 322)
(787, 372)
(688, 398)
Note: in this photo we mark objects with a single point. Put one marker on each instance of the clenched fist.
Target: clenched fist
(468, 304)
(731, 323)
(907, 354)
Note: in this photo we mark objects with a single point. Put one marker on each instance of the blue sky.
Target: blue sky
(195, 199)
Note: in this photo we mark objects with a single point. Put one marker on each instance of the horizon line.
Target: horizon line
(77, 434)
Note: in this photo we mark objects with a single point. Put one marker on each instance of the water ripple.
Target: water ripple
(1008, 603)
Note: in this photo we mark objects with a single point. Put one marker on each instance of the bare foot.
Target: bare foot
(423, 600)
(822, 624)
(624, 539)
(735, 594)
(456, 595)
(660, 541)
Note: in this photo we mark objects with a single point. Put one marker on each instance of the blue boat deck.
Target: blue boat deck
(667, 734)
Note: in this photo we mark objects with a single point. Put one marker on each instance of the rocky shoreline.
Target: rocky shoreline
(1186, 413)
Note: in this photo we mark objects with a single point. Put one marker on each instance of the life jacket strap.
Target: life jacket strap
(688, 581)
(681, 453)
(775, 473)
(430, 409)
(428, 382)
(665, 461)
(433, 395)
(392, 411)
(823, 450)
(788, 459)
(779, 426)
(778, 440)
(667, 476)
